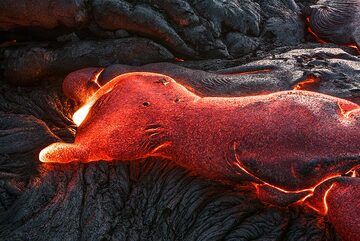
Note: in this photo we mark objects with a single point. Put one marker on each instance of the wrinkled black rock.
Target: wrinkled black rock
(336, 21)
(190, 29)
(336, 72)
(32, 63)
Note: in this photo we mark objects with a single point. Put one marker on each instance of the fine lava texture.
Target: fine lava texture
(212, 47)
(147, 199)
(290, 141)
(336, 21)
(328, 71)
(100, 33)
(210, 28)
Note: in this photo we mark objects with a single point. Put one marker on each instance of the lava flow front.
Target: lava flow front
(287, 143)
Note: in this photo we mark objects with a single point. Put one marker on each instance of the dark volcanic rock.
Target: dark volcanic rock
(334, 72)
(24, 132)
(28, 64)
(151, 200)
(45, 14)
(191, 29)
(336, 21)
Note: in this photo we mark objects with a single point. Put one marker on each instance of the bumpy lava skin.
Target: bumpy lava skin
(339, 199)
(344, 205)
(336, 21)
(288, 142)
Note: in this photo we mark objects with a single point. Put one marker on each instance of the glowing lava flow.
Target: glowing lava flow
(347, 110)
(265, 137)
(80, 115)
(324, 207)
(309, 81)
(325, 197)
(315, 36)
(87, 89)
(291, 145)
(311, 190)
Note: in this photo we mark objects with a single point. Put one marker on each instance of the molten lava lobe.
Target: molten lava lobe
(82, 84)
(291, 140)
(340, 200)
(336, 21)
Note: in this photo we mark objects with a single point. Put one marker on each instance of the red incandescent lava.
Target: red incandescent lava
(307, 83)
(288, 144)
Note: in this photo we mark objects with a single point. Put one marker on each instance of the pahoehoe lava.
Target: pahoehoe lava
(214, 48)
(140, 115)
(336, 21)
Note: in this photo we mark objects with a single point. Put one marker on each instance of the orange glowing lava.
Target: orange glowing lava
(353, 173)
(268, 140)
(80, 115)
(8, 43)
(314, 35)
(305, 84)
(353, 46)
(240, 165)
(324, 198)
(324, 207)
(347, 109)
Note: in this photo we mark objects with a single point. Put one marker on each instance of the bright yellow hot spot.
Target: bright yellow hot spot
(80, 115)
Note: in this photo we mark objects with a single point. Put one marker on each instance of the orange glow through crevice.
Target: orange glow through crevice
(317, 39)
(353, 171)
(96, 77)
(8, 43)
(179, 60)
(313, 34)
(321, 41)
(80, 115)
(309, 81)
(324, 201)
(312, 189)
(324, 198)
(353, 46)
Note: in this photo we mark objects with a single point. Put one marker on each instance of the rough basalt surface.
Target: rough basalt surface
(32, 63)
(324, 70)
(336, 21)
(192, 29)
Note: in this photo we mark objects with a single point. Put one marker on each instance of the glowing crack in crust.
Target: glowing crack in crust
(306, 83)
(335, 21)
(287, 143)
